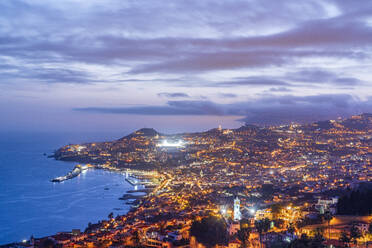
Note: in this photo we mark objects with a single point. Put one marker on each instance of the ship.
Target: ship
(74, 173)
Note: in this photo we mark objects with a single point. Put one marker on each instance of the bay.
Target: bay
(31, 205)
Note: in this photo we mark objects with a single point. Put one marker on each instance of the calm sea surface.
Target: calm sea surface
(31, 205)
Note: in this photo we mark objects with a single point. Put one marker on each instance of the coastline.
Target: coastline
(30, 202)
(67, 205)
(142, 181)
(132, 197)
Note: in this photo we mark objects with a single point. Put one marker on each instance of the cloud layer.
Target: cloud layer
(264, 60)
(265, 110)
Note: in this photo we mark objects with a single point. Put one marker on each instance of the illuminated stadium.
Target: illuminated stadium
(166, 143)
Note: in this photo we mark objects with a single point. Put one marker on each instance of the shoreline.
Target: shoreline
(133, 200)
(113, 194)
(140, 178)
(144, 179)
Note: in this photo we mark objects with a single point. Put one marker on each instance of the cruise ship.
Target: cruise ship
(74, 173)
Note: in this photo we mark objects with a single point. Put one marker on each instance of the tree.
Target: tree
(136, 239)
(267, 190)
(369, 234)
(162, 227)
(279, 223)
(302, 242)
(357, 202)
(355, 234)
(345, 239)
(318, 239)
(209, 231)
(111, 215)
(262, 226)
(305, 242)
(276, 209)
(244, 224)
(291, 230)
(279, 244)
(47, 243)
(328, 217)
(243, 236)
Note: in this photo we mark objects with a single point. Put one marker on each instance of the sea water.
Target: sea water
(32, 205)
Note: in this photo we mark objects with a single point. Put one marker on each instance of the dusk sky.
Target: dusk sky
(181, 65)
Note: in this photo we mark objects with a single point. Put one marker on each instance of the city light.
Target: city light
(135, 125)
(223, 210)
(223, 179)
(252, 211)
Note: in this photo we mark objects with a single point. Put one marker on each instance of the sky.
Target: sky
(121, 65)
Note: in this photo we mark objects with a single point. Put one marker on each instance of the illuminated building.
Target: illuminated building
(237, 214)
(166, 143)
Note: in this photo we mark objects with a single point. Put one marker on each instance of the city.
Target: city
(265, 186)
(190, 124)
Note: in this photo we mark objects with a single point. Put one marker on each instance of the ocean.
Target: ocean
(32, 205)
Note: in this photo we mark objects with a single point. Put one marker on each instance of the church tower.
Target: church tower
(237, 214)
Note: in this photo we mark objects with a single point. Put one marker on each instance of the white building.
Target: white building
(237, 214)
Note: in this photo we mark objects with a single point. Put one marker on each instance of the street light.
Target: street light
(223, 210)
(252, 211)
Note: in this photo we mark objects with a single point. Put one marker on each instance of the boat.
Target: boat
(58, 179)
(74, 173)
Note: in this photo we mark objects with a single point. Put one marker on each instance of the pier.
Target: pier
(132, 181)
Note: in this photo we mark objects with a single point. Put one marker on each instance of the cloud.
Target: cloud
(172, 108)
(279, 89)
(206, 18)
(268, 109)
(283, 49)
(311, 75)
(318, 38)
(228, 95)
(171, 54)
(204, 38)
(347, 81)
(48, 75)
(222, 60)
(173, 95)
(251, 81)
(286, 109)
(320, 76)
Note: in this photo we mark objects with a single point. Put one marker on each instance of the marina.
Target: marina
(132, 181)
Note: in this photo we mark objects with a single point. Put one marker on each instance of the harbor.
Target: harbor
(143, 182)
(144, 178)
